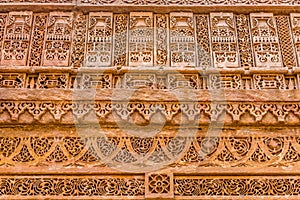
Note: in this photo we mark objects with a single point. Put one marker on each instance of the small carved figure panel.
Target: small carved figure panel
(224, 40)
(99, 42)
(182, 39)
(58, 40)
(141, 39)
(16, 38)
(265, 40)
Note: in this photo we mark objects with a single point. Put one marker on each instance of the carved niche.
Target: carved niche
(99, 43)
(16, 38)
(182, 39)
(265, 40)
(58, 40)
(141, 39)
(224, 40)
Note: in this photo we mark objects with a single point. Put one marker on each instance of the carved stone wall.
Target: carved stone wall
(141, 102)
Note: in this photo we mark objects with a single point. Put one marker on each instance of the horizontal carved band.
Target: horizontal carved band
(69, 187)
(244, 152)
(159, 80)
(176, 39)
(145, 112)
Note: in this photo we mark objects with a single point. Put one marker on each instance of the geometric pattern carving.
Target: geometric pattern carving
(286, 43)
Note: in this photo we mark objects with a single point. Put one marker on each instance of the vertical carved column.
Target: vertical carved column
(78, 43)
(37, 39)
(120, 40)
(224, 40)
(58, 40)
(16, 38)
(244, 41)
(295, 21)
(182, 40)
(3, 18)
(141, 39)
(203, 41)
(161, 35)
(286, 43)
(99, 42)
(265, 40)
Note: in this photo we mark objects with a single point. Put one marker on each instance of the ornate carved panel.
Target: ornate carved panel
(161, 35)
(265, 40)
(223, 40)
(16, 38)
(230, 81)
(141, 44)
(58, 40)
(182, 40)
(121, 39)
(99, 39)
